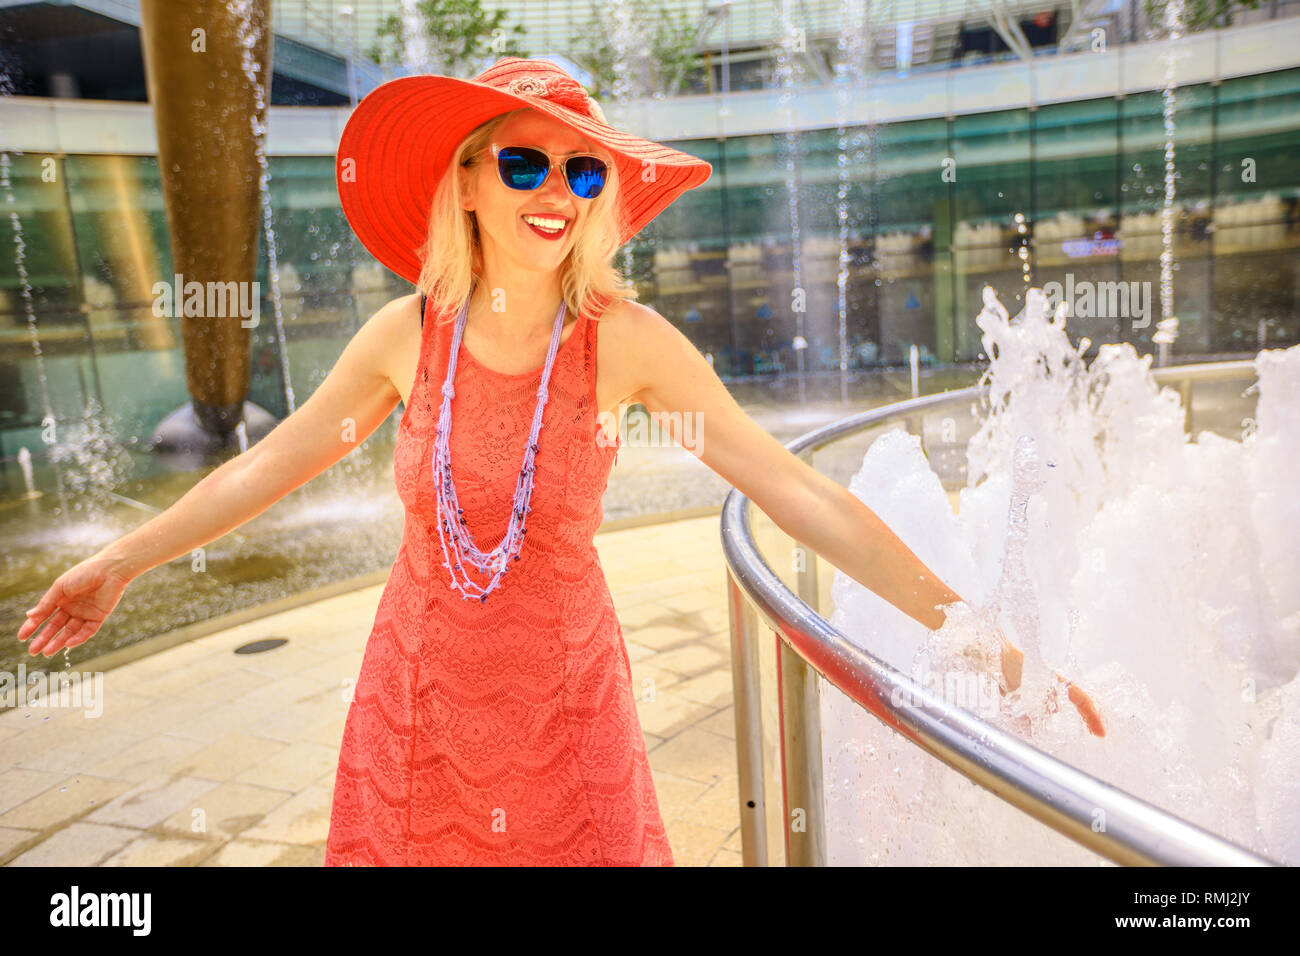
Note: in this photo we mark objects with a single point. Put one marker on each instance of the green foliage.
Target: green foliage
(667, 42)
(1197, 14)
(459, 35)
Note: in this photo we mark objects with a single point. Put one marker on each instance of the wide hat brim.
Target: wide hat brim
(399, 141)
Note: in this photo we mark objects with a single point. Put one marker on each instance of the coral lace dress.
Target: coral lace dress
(504, 732)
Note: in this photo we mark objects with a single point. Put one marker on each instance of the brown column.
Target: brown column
(203, 107)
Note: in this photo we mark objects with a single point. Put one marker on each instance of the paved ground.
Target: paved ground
(204, 757)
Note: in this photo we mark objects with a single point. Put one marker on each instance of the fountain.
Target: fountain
(851, 73)
(1167, 328)
(25, 466)
(787, 77)
(1156, 571)
(249, 24)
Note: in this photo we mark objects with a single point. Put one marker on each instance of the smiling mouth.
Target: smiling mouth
(545, 226)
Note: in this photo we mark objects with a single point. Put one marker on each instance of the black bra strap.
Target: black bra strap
(423, 297)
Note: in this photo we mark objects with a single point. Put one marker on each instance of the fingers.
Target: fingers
(52, 626)
(1013, 663)
(1086, 707)
(82, 634)
(47, 605)
(60, 639)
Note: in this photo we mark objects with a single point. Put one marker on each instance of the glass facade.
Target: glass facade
(930, 211)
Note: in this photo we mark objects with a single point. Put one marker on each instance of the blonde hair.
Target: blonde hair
(451, 257)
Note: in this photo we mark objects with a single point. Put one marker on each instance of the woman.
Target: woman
(493, 721)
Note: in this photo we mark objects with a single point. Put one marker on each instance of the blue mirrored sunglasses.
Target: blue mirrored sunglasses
(526, 168)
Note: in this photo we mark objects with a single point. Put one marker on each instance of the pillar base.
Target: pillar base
(201, 429)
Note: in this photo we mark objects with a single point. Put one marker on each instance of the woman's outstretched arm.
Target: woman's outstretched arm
(672, 379)
(352, 401)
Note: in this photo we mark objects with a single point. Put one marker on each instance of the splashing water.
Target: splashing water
(852, 79)
(1160, 574)
(250, 34)
(787, 77)
(626, 41)
(1167, 329)
(48, 419)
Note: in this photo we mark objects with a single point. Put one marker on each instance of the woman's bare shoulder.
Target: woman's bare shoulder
(390, 339)
(630, 336)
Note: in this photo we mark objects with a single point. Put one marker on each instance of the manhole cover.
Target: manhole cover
(257, 647)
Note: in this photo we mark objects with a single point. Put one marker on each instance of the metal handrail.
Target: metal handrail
(1051, 791)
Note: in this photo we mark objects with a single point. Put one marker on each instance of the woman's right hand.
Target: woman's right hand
(76, 604)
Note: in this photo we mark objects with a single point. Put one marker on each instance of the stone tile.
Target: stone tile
(638, 652)
(149, 803)
(18, 785)
(226, 758)
(667, 714)
(41, 734)
(295, 721)
(720, 642)
(121, 699)
(293, 768)
(276, 695)
(660, 591)
(693, 844)
(81, 844)
(88, 749)
(713, 619)
(735, 841)
(647, 614)
(149, 850)
(334, 672)
(723, 723)
(642, 673)
(13, 841)
(697, 755)
(328, 733)
(623, 575)
(712, 687)
(148, 758)
(223, 813)
(240, 679)
(162, 715)
(675, 793)
(66, 801)
(348, 641)
(258, 853)
(699, 599)
(304, 818)
(690, 660)
(284, 661)
(719, 806)
(212, 725)
(315, 858)
(704, 562)
(662, 637)
(179, 680)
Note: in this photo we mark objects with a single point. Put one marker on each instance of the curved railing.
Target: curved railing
(778, 716)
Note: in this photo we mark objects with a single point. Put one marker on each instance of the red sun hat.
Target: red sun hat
(400, 138)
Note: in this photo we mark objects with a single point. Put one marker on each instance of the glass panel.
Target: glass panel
(913, 237)
(993, 186)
